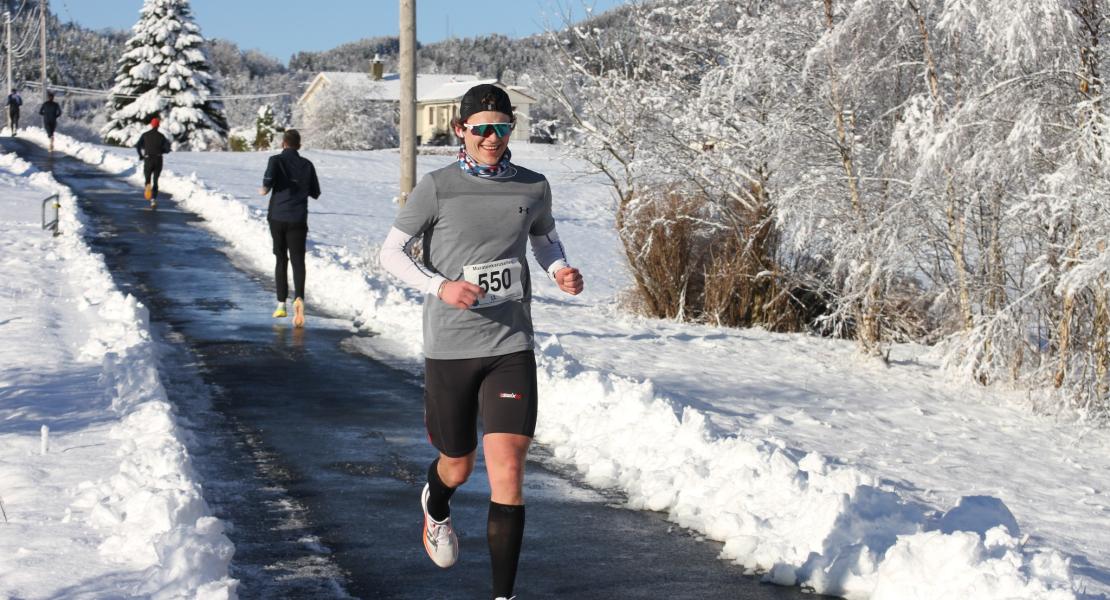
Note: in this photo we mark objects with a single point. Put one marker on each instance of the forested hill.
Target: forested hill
(76, 55)
(493, 55)
(488, 56)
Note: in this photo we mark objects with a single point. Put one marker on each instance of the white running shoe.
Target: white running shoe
(440, 540)
(504, 598)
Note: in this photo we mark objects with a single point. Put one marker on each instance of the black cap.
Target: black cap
(484, 97)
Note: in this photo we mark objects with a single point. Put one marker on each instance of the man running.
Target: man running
(475, 218)
(293, 181)
(14, 102)
(50, 112)
(151, 146)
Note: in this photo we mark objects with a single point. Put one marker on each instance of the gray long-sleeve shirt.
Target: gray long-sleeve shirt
(478, 224)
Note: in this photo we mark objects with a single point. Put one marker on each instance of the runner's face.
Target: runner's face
(486, 150)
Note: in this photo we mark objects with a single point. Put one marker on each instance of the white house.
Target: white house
(437, 98)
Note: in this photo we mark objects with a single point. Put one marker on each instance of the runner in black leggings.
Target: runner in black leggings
(293, 181)
(13, 102)
(50, 112)
(151, 146)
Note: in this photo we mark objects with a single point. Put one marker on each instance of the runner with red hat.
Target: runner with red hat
(151, 146)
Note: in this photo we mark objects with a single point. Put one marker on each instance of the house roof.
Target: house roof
(453, 91)
(429, 87)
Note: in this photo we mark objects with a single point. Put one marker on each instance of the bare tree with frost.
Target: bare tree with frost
(932, 170)
(342, 119)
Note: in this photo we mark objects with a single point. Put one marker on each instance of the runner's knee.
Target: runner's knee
(455, 471)
(506, 474)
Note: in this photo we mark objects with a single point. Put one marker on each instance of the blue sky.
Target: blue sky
(282, 27)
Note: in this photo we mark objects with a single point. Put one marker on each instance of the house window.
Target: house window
(431, 116)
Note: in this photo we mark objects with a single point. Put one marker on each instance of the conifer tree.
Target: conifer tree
(264, 128)
(165, 73)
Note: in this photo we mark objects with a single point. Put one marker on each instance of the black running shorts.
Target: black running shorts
(501, 389)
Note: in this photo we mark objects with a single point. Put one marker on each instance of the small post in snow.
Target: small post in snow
(45, 440)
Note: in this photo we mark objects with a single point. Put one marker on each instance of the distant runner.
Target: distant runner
(152, 145)
(50, 112)
(475, 218)
(293, 181)
(14, 102)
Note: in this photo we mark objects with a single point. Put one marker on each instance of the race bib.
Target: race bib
(500, 279)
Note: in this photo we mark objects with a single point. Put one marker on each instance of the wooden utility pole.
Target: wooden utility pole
(408, 98)
(43, 6)
(11, 84)
(8, 37)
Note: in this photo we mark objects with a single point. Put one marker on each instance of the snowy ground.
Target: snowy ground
(809, 463)
(98, 493)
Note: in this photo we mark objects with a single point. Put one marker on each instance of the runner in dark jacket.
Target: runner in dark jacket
(152, 145)
(292, 181)
(50, 112)
(14, 102)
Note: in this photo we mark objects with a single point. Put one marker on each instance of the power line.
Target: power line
(79, 91)
(26, 44)
(22, 5)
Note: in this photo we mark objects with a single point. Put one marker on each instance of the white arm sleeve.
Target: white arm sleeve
(396, 259)
(549, 252)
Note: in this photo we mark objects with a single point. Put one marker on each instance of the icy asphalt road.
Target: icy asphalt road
(315, 455)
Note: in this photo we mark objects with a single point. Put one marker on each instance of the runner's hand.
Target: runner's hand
(569, 280)
(460, 294)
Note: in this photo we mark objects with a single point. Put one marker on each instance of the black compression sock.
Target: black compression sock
(505, 533)
(439, 495)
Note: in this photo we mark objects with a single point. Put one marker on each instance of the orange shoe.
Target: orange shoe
(298, 313)
(148, 192)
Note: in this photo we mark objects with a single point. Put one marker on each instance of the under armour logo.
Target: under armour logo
(523, 210)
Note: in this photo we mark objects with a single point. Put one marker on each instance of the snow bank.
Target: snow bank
(798, 518)
(151, 512)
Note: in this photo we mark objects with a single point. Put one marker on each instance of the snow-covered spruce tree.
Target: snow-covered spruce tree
(165, 73)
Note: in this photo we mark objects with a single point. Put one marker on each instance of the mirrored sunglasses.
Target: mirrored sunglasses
(484, 129)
